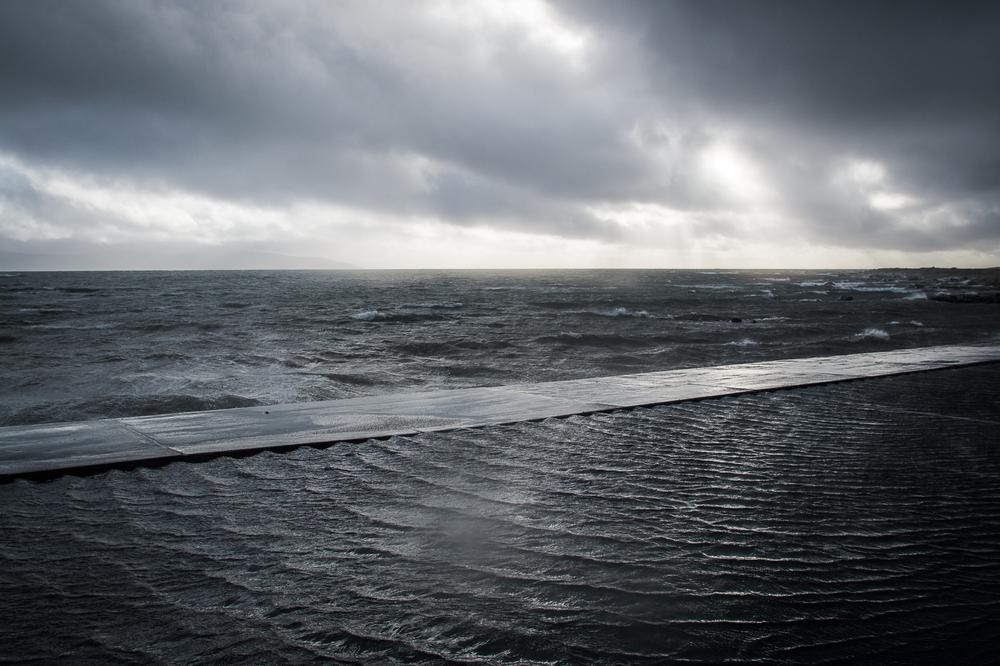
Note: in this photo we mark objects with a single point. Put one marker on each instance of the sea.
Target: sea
(834, 524)
(106, 344)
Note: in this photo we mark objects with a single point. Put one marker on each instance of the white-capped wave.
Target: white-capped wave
(874, 288)
(744, 342)
(618, 312)
(915, 296)
(886, 288)
(368, 315)
(871, 333)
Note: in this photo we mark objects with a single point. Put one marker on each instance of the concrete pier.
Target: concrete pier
(91, 446)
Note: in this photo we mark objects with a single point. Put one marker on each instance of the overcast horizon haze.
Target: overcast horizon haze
(524, 134)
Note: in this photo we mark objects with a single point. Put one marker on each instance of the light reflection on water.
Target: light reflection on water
(831, 523)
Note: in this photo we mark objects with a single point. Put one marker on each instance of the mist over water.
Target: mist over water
(90, 345)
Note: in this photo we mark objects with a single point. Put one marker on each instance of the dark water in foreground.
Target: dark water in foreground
(853, 521)
(88, 345)
(857, 521)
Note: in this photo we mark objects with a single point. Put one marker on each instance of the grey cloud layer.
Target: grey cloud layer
(378, 107)
(914, 85)
(286, 104)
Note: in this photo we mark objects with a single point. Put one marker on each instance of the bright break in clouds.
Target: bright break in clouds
(506, 134)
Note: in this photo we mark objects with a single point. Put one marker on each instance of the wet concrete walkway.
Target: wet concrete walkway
(90, 446)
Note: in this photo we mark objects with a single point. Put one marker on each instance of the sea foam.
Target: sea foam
(619, 312)
(871, 333)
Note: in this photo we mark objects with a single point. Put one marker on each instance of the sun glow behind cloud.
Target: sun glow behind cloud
(462, 133)
(870, 181)
(734, 173)
(534, 19)
(891, 201)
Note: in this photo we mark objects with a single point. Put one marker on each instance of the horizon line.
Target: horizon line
(496, 268)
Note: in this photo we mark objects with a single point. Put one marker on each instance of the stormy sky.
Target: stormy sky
(522, 133)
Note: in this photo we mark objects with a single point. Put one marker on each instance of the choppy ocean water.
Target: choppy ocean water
(833, 524)
(88, 345)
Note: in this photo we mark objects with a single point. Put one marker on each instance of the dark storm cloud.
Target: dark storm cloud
(912, 84)
(376, 107)
(854, 65)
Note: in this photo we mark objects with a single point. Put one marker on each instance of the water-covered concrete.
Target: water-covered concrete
(100, 444)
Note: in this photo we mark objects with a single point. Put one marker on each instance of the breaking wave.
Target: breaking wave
(619, 312)
(367, 315)
(871, 288)
(871, 334)
(427, 313)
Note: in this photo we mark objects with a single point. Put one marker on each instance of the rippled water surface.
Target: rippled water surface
(830, 524)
